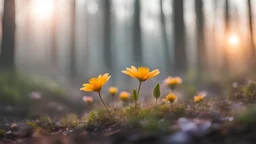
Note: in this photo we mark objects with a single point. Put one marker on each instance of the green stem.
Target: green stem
(138, 91)
(104, 103)
(156, 103)
(113, 100)
(139, 88)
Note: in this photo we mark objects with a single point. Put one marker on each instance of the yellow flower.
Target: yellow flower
(172, 82)
(198, 98)
(170, 98)
(96, 83)
(124, 96)
(87, 99)
(113, 90)
(142, 73)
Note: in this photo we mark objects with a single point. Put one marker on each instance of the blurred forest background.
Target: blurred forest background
(72, 40)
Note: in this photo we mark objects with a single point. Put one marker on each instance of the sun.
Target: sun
(42, 9)
(233, 40)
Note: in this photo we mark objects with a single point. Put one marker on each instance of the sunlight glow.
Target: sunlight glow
(93, 8)
(122, 14)
(233, 40)
(149, 25)
(42, 9)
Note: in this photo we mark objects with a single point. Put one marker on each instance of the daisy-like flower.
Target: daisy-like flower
(172, 82)
(113, 90)
(124, 96)
(87, 99)
(95, 84)
(142, 73)
(170, 98)
(198, 98)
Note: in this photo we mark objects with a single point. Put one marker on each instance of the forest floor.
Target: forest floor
(197, 124)
(50, 120)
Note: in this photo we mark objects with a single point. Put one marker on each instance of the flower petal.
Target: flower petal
(128, 73)
(153, 73)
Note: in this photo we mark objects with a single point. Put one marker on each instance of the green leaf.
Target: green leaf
(156, 91)
(134, 95)
(33, 125)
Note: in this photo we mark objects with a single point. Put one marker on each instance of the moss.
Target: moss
(2, 131)
(247, 116)
(16, 87)
(147, 118)
(100, 119)
(70, 120)
(33, 125)
(249, 93)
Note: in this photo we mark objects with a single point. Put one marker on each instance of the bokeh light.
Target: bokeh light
(233, 40)
(42, 9)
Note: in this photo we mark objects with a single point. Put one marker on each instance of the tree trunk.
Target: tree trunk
(54, 22)
(252, 46)
(87, 48)
(201, 52)
(179, 37)
(8, 35)
(137, 45)
(107, 34)
(164, 36)
(73, 71)
(227, 29)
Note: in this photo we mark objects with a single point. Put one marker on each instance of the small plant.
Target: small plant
(71, 120)
(135, 97)
(124, 97)
(96, 84)
(99, 119)
(156, 93)
(113, 91)
(249, 92)
(142, 74)
(170, 98)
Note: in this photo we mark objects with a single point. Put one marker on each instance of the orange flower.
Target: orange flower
(198, 98)
(95, 84)
(113, 90)
(142, 73)
(170, 98)
(172, 82)
(124, 96)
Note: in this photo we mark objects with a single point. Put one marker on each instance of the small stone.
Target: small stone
(13, 125)
(179, 138)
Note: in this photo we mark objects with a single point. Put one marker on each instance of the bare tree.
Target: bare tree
(252, 46)
(137, 44)
(8, 35)
(54, 22)
(164, 36)
(227, 29)
(179, 37)
(201, 52)
(73, 70)
(107, 34)
(86, 57)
